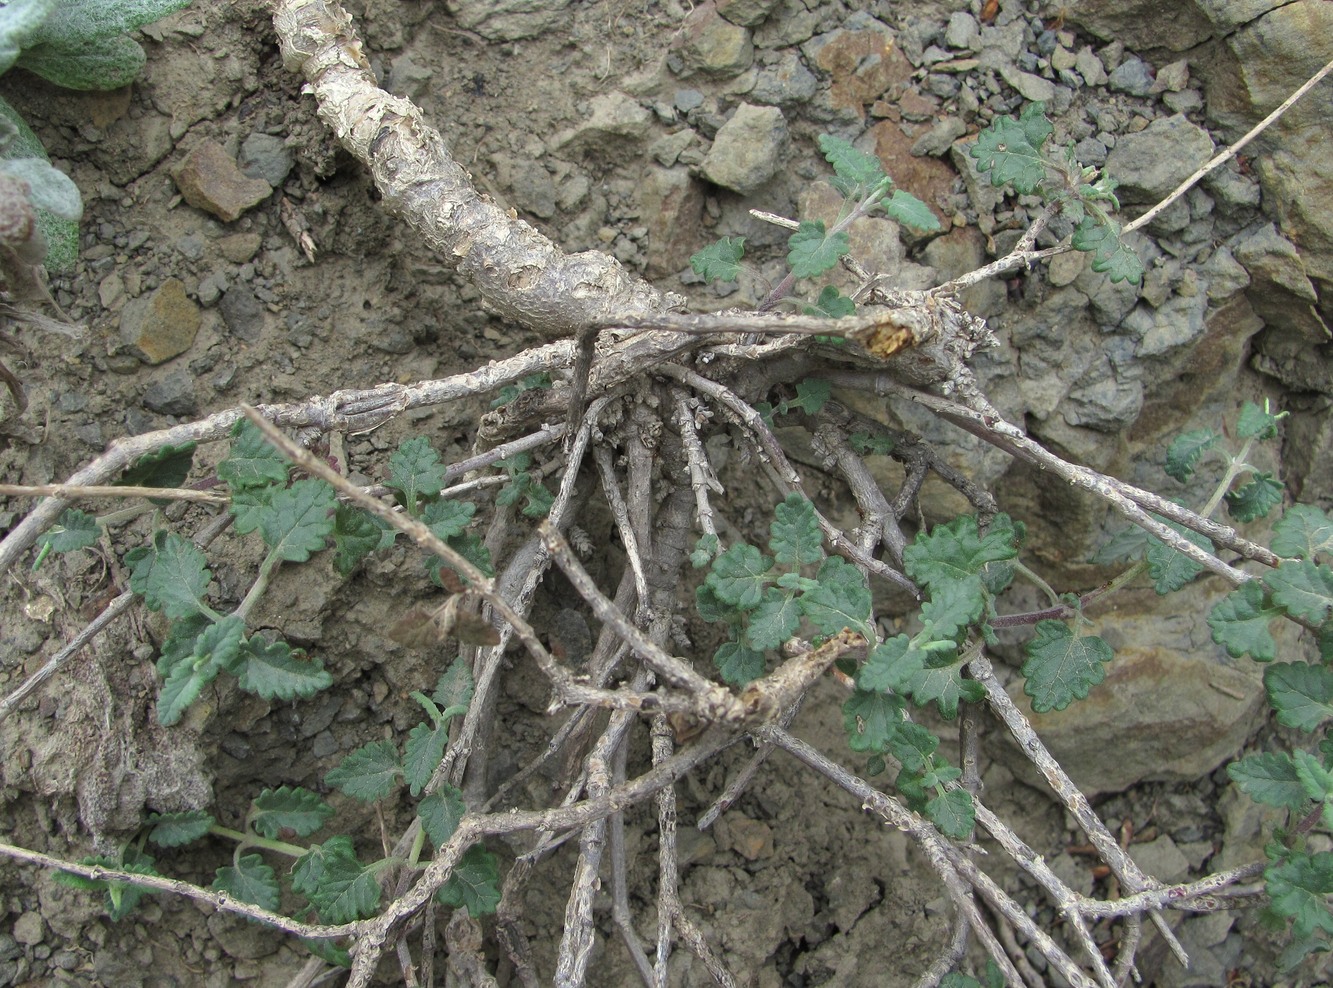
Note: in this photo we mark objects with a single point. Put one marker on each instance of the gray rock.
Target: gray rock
(242, 313)
(1006, 41)
(1141, 24)
(1103, 398)
(29, 929)
(688, 99)
(172, 394)
(1090, 67)
(1273, 261)
(785, 83)
(748, 150)
(939, 138)
(1176, 323)
(1032, 88)
(671, 204)
(791, 23)
(1186, 101)
(1090, 151)
(1162, 859)
(1226, 15)
(266, 156)
(1154, 161)
(507, 20)
(407, 77)
(611, 119)
(1172, 78)
(746, 13)
(1132, 76)
(1225, 275)
(666, 150)
(711, 44)
(963, 31)
(530, 185)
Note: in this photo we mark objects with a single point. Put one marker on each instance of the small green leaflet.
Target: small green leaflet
(1257, 423)
(713, 608)
(1239, 622)
(475, 883)
(272, 670)
(1304, 588)
(811, 394)
(295, 809)
(253, 461)
(250, 880)
(705, 550)
(854, 168)
(328, 951)
(1269, 778)
(346, 891)
(1184, 452)
(945, 685)
(74, 529)
(773, 622)
(831, 304)
(177, 829)
(738, 665)
(871, 719)
(953, 813)
(369, 773)
(356, 534)
(1299, 888)
(1303, 532)
(1301, 694)
(448, 519)
(1255, 499)
(309, 869)
(165, 467)
(891, 665)
(794, 535)
(913, 745)
(171, 575)
(739, 576)
(299, 519)
(958, 550)
(216, 648)
(842, 599)
(954, 605)
(1110, 255)
(1316, 780)
(121, 898)
(454, 689)
(422, 753)
(1169, 568)
(441, 812)
(1127, 543)
(1061, 667)
(812, 251)
(866, 443)
(907, 209)
(1011, 150)
(533, 382)
(719, 261)
(415, 472)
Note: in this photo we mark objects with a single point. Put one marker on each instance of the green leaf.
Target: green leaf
(1303, 532)
(1186, 449)
(1316, 780)
(273, 671)
(1011, 151)
(369, 773)
(299, 519)
(1254, 499)
(914, 746)
(250, 880)
(953, 813)
(252, 461)
(177, 829)
(944, 684)
(74, 529)
(719, 261)
(1304, 588)
(958, 550)
(415, 472)
(1110, 254)
(180, 643)
(954, 979)
(78, 21)
(794, 535)
(811, 250)
(104, 64)
(1239, 622)
(356, 534)
(1299, 888)
(1257, 423)
(1269, 778)
(455, 686)
(831, 304)
(422, 753)
(953, 606)
(310, 868)
(215, 649)
(908, 210)
(475, 883)
(705, 550)
(471, 548)
(774, 621)
(739, 576)
(165, 467)
(171, 575)
(249, 508)
(347, 890)
(738, 664)
(295, 809)
(448, 519)
(811, 394)
(871, 719)
(1062, 667)
(713, 608)
(1169, 568)
(1301, 694)
(842, 599)
(891, 665)
(441, 812)
(20, 22)
(854, 167)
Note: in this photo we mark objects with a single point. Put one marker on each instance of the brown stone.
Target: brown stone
(929, 179)
(671, 206)
(161, 325)
(862, 66)
(751, 839)
(240, 247)
(210, 180)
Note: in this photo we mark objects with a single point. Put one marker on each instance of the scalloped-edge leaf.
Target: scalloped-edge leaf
(48, 188)
(811, 250)
(720, 261)
(441, 813)
(907, 209)
(177, 829)
(475, 883)
(74, 529)
(1301, 694)
(422, 753)
(274, 671)
(1303, 532)
(250, 880)
(78, 21)
(1239, 622)
(1270, 778)
(287, 808)
(369, 772)
(1062, 667)
(1186, 449)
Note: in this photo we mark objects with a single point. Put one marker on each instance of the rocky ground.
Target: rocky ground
(648, 129)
